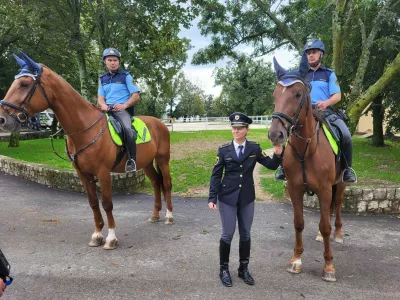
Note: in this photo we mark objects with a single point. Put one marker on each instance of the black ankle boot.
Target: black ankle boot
(349, 176)
(225, 276)
(244, 257)
(280, 174)
(130, 166)
(224, 251)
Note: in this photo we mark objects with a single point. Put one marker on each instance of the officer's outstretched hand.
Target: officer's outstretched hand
(212, 206)
(278, 150)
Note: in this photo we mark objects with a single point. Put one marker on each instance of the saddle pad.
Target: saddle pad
(143, 135)
(331, 139)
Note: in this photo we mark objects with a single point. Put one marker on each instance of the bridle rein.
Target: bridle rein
(293, 126)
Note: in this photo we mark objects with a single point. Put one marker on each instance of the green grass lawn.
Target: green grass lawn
(193, 155)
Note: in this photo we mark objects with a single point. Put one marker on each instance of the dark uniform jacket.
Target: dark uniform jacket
(235, 186)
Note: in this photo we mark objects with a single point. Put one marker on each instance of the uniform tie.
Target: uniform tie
(240, 151)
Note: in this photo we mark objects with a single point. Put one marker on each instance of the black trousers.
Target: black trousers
(244, 216)
(126, 121)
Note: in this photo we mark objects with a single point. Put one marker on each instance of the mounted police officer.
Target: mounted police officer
(118, 92)
(324, 94)
(232, 185)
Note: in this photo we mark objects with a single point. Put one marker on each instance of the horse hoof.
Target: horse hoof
(169, 221)
(111, 245)
(338, 239)
(96, 242)
(294, 268)
(153, 219)
(329, 277)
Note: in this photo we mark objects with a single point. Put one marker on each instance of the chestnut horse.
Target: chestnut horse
(37, 88)
(309, 162)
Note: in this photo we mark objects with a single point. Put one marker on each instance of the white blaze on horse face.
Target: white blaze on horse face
(111, 235)
(284, 89)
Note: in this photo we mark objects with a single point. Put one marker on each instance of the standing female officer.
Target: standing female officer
(236, 194)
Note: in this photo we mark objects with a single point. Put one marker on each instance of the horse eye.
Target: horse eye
(23, 84)
(298, 95)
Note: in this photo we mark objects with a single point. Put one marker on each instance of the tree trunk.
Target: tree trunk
(14, 139)
(378, 114)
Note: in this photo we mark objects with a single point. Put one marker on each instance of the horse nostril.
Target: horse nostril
(2, 121)
(280, 134)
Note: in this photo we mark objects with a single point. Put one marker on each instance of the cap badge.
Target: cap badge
(237, 117)
(309, 43)
(112, 51)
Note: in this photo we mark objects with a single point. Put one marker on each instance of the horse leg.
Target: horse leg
(338, 198)
(325, 200)
(152, 174)
(90, 187)
(163, 166)
(296, 197)
(106, 196)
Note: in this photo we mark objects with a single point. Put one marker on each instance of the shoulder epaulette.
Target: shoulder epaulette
(123, 72)
(103, 75)
(225, 145)
(251, 142)
(326, 69)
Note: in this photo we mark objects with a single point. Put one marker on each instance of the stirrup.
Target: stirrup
(130, 166)
(354, 174)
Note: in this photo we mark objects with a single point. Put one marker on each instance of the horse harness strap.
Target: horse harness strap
(74, 156)
(303, 159)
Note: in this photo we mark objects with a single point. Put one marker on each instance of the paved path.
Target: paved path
(44, 233)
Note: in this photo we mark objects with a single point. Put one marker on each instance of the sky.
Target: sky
(202, 75)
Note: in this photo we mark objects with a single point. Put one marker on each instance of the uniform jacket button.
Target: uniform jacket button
(241, 175)
(240, 185)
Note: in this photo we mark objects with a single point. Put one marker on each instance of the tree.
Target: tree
(248, 85)
(269, 25)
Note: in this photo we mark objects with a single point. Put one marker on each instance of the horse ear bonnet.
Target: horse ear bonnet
(27, 66)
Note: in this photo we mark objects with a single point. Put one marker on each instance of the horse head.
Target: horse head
(290, 95)
(22, 99)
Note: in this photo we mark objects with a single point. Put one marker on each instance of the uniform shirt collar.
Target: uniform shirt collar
(236, 145)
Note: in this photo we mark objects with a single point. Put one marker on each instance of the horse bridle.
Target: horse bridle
(291, 129)
(22, 116)
(23, 111)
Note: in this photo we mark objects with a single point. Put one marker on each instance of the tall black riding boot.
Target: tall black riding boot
(224, 251)
(131, 152)
(244, 257)
(349, 175)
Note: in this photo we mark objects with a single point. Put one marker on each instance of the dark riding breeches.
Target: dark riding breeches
(345, 138)
(244, 216)
(126, 121)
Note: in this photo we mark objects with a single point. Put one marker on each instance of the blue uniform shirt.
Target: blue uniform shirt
(117, 88)
(324, 84)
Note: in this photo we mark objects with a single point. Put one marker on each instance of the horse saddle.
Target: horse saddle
(141, 132)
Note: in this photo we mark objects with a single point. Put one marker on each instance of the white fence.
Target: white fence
(211, 123)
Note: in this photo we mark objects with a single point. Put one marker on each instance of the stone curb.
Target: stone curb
(365, 199)
(122, 183)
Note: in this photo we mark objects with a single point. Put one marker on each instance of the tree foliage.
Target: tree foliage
(351, 29)
(248, 86)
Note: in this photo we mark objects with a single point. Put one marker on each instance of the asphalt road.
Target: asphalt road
(44, 235)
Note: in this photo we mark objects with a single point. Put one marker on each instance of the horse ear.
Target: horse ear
(304, 66)
(278, 69)
(20, 62)
(30, 62)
